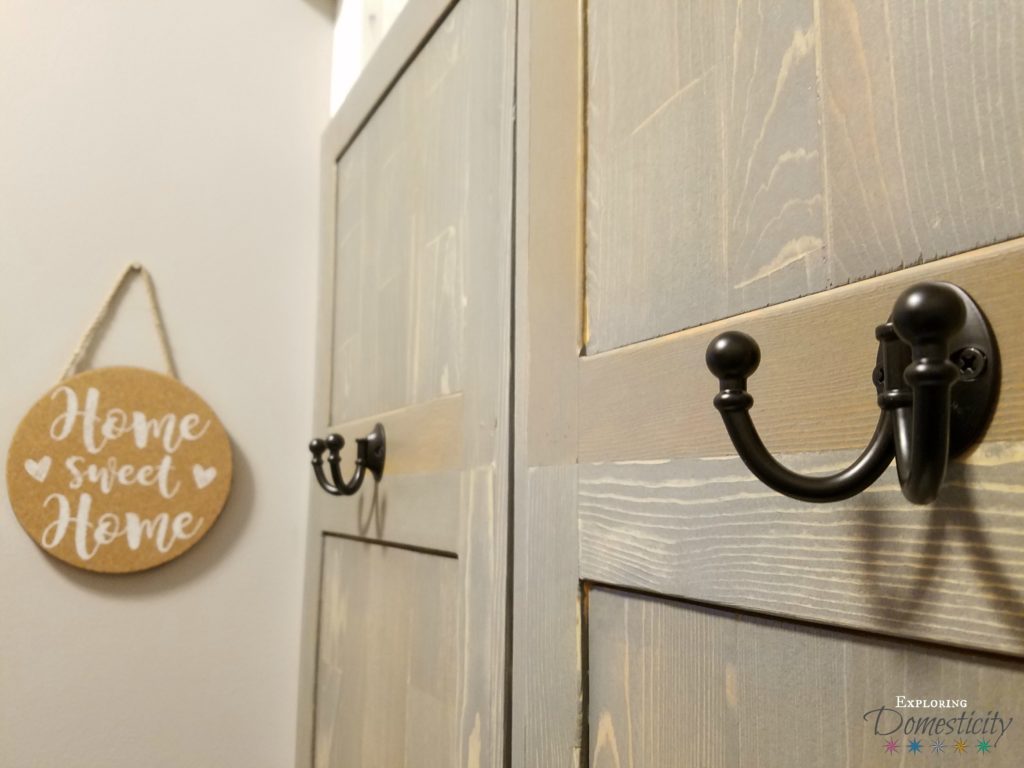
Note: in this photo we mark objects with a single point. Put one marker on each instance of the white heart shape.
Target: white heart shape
(203, 475)
(38, 469)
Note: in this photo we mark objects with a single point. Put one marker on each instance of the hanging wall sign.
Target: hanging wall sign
(119, 469)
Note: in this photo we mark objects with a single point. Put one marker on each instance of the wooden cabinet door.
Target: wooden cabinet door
(404, 629)
(784, 169)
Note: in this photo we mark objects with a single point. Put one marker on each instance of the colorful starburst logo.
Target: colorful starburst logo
(918, 726)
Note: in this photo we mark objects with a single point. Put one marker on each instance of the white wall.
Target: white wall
(184, 134)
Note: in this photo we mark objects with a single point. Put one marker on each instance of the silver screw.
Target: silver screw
(971, 361)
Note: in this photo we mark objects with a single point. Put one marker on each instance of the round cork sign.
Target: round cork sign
(118, 470)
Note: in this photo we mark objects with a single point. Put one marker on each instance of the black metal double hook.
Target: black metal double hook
(937, 380)
(370, 454)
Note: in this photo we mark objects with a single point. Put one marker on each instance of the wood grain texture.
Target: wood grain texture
(420, 438)
(742, 154)
(387, 677)
(402, 232)
(653, 400)
(411, 28)
(547, 687)
(483, 608)
(675, 685)
(704, 191)
(923, 107)
(417, 210)
(952, 572)
(485, 184)
(414, 510)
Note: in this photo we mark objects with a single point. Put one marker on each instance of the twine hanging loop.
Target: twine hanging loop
(89, 337)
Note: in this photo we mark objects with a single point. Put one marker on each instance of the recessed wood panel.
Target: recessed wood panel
(675, 685)
(387, 670)
(740, 155)
(419, 199)
(704, 194)
(923, 111)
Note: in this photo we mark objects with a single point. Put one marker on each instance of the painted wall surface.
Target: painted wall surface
(183, 134)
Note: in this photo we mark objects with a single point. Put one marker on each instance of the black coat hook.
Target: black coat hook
(937, 379)
(370, 454)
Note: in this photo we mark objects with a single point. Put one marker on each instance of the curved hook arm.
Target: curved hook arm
(370, 455)
(916, 406)
(733, 357)
(317, 448)
(333, 445)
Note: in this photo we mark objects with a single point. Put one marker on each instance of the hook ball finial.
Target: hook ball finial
(335, 443)
(733, 355)
(928, 312)
(317, 447)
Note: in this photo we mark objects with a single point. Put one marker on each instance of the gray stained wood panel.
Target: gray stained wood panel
(704, 194)
(387, 673)
(653, 400)
(483, 595)
(547, 721)
(546, 724)
(415, 329)
(420, 192)
(706, 529)
(742, 154)
(924, 128)
(422, 511)
(675, 685)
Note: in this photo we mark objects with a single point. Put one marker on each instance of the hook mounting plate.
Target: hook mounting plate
(376, 451)
(973, 398)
